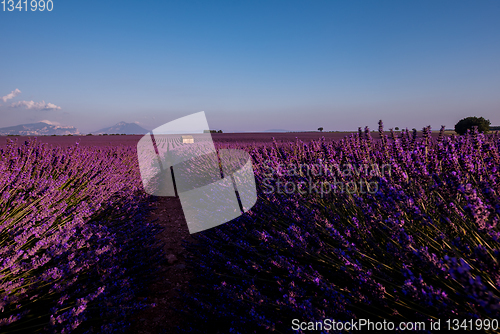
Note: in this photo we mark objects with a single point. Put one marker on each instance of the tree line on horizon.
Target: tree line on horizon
(464, 125)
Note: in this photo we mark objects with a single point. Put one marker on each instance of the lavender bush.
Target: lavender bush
(73, 238)
(421, 245)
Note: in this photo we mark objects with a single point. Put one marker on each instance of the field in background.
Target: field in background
(258, 137)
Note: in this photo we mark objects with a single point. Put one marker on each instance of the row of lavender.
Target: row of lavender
(420, 242)
(73, 238)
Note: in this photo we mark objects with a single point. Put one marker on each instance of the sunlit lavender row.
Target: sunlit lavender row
(73, 238)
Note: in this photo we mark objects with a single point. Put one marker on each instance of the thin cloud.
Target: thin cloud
(50, 122)
(12, 95)
(35, 105)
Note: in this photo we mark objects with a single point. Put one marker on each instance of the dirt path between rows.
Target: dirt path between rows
(176, 275)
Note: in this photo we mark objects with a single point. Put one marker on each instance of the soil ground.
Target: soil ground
(175, 276)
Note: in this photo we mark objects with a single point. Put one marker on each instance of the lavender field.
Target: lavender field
(401, 227)
(74, 244)
(424, 246)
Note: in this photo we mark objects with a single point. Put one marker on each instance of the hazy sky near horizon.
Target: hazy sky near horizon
(251, 65)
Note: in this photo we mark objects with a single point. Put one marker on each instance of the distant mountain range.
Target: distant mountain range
(38, 129)
(46, 128)
(123, 128)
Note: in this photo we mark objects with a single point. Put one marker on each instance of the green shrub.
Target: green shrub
(468, 123)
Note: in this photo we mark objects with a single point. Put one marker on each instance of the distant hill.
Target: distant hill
(123, 128)
(38, 129)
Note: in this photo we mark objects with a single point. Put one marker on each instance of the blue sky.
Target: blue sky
(252, 65)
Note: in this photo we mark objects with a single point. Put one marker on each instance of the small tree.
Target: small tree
(468, 123)
(320, 129)
(396, 128)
